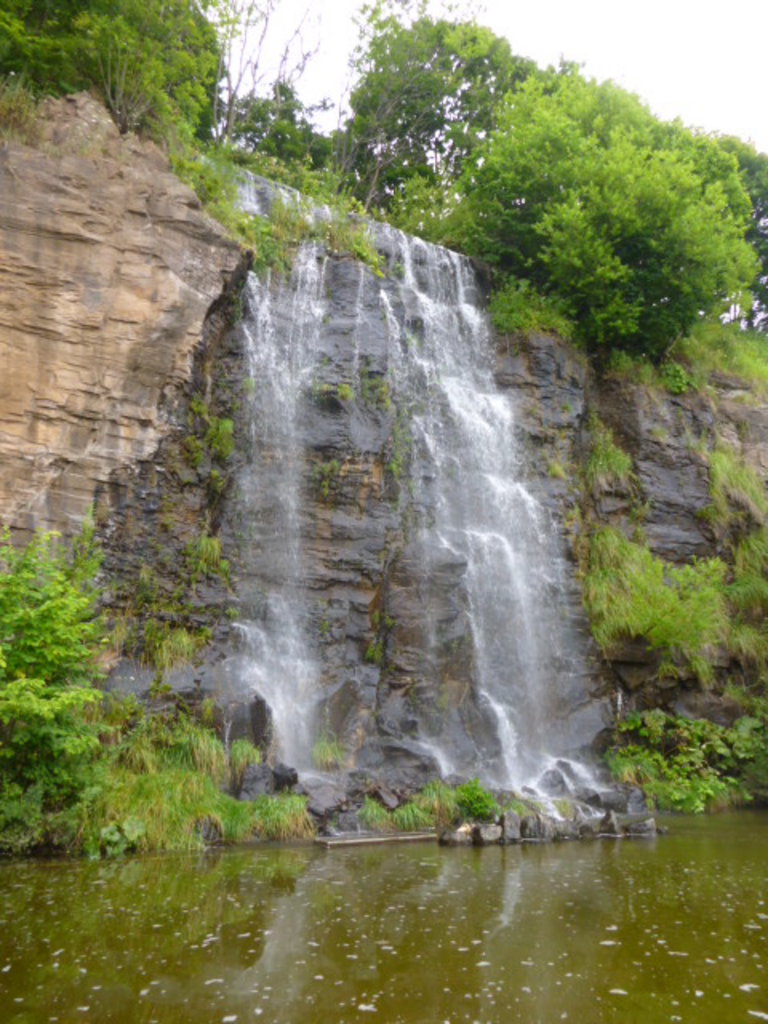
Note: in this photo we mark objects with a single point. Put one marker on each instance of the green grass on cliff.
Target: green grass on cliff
(679, 611)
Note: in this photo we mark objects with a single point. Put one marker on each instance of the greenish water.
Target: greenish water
(672, 929)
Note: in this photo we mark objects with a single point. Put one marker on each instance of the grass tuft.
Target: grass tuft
(608, 468)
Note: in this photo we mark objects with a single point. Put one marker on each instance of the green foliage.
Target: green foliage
(48, 641)
(689, 765)
(634, 225)
(163, 791)
(153, 63)
(412, 817)
(374, 390)
(18, 113)
(328, 754)
(345, 393)
(608, 467)
(427, 91)
(712, 347)
(440, 802)
(737, 492)
(167, 646)
(753, 168)
(374, 817)
(241, 754)
(219, 438)
(203, 557)
(679, 611)
(374, 652)
(282, 817)
(675, 378)
(517, 308)
(324, 475)
(475, 803)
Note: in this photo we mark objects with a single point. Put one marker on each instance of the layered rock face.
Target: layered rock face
(107, 269)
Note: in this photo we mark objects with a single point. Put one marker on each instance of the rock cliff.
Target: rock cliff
(107, 269)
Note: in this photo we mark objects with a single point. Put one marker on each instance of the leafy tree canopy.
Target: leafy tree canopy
(280, 126)
(635, 225)
(426, 94)
(154, 61)
(753, 167)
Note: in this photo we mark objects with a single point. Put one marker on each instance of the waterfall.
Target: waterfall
(279, 361)
(476, 664)
(468, 476)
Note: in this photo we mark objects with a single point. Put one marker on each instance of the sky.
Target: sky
(700, 60)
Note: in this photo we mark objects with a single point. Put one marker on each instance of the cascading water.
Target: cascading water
(280, 358)
(460, 548)
(468, 475)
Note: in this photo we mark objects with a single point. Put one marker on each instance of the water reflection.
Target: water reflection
(632, 931)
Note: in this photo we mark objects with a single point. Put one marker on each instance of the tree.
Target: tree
(49, 635)
(753, 167)
(242, 27)
(154, 61)
(636, 226)
(280, 126)
(426, 94)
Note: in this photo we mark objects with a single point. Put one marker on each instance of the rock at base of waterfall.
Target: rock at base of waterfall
(257, 781)
(609, 825)
(537, 828)
(565, 830)
(285, 777)
(456, 836)
(486, 835)
(641, 829)
(553, 783)
(510, 826)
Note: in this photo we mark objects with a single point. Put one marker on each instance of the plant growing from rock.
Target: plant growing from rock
(241, 754)
(328, 754)
(608, 468)
(475, 802)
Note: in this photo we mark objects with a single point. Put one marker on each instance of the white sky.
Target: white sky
(700, 60)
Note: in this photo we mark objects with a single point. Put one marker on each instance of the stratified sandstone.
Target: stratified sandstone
(107, 269)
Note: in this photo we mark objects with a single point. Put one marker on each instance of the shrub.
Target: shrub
(517, 308)
(18, 112)
(412, 817)
(440, 802)
(689, 765)
(475, 802)
(48, 642)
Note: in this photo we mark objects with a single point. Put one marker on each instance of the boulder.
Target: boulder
(285, 777)
(510, 828)
(537, 828)
(609, 825)
(257, 781)
(486, 835)
(456, 836)
(641, 829)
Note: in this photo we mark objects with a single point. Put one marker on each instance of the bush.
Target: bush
(475, 802)
(517, 308)
(690, 765)
(49, 636)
